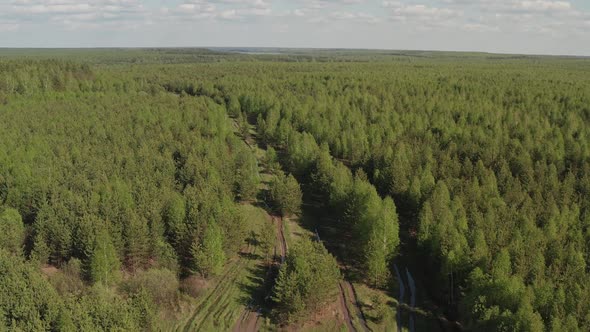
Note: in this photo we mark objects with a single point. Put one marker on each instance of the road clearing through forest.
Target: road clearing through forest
(249, 320)
(344, 308)
(353, 300)
(281, 237)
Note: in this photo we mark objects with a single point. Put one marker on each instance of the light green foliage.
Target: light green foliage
(104, 263)
(268, 240)
(382, 243)
(271, 160)
(458, 150)
(307, 279)
(487, 158)
(286, 194)
(161, 285)
(207, 251)
(247, 177)
(27, 300)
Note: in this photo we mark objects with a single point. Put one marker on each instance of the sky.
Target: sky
(500, 26)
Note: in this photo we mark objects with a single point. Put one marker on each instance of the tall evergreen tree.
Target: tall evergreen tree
(207, 252)
(104, 264)
(12, 231)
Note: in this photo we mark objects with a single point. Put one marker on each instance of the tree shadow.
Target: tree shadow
(320, 220)
(257, 289)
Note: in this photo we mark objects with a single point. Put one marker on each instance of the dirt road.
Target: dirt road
(344, 308)
(278, 221)
(352, 302)
(249, 320)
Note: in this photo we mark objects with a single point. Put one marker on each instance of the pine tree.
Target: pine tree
(207, 252)
(382, 243)
(12, 231)
(247, 177)
(286, 194)
(104, 263)
(174, 219)
(137, 241)
(306, 280)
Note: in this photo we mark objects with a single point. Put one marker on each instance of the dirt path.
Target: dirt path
(347, 287)
(281, 237)
(344, 308)
(249, 322)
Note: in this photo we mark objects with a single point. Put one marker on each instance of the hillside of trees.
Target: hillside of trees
(120, 180)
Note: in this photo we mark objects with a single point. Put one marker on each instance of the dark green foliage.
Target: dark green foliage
(174, 219)
(27, 301)
(12, 231)
(307, 279)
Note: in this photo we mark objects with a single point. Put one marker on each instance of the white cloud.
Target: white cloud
(308, 20)
(357, 17)
(432, 15)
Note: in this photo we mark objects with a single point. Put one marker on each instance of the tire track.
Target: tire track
(281, 237)
(211, 308)
(344, 308)
(355, 302)
(249, 320)
(221, 284)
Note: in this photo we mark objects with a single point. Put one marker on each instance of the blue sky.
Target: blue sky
(507, 26)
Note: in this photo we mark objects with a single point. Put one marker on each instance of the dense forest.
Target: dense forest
(124, 178)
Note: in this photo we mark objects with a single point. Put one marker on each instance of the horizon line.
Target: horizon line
(293, 48)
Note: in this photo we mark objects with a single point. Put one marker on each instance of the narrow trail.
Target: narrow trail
(281, 236)
(344, 308)
(349, 304)
(249, 320)
(349, 299)
(347, 287)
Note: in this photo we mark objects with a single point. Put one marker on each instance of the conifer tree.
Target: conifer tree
(104, 263)
(286, 194)
(12, 231)
(207, 252)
